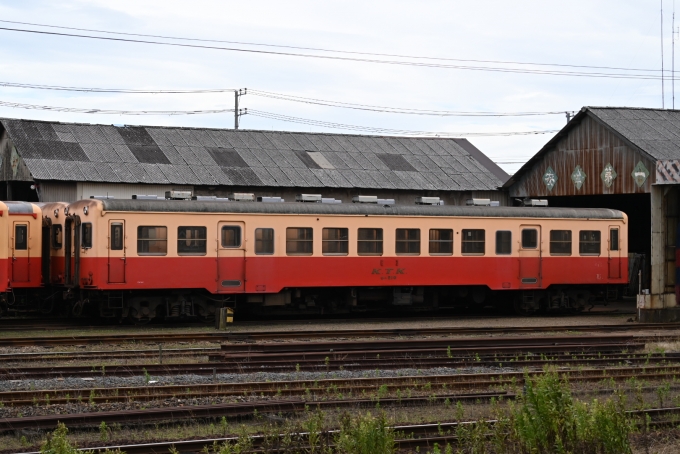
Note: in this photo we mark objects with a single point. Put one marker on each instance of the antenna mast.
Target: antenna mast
(662, 81)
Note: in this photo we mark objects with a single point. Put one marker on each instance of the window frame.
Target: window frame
(571, 243)
(408, 242)
(296, 241)
(264, 241)
(198, 228)
(618, 239)
(535, 238)
(24, 243)
(53, 236)
(378, 242)
(509, 242)
(581, 243)
(240, 236)
(122, 236)
(463, 242)
(432, 242)
(84, 227)
(149, 240)
(325, 241)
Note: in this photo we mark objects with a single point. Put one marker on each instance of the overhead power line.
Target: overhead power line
(17, 105)
(290, 98)
(112, 90)
(423, 64)
(399, 110)
(319, 49)
(272, 116)
(376, 130)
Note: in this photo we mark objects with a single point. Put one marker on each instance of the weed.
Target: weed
(365, 434)
(147, 376)
(103, 432)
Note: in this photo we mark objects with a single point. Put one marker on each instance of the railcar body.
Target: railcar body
(20, 257)
(148, 258)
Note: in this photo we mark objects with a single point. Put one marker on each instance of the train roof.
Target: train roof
(354, 209)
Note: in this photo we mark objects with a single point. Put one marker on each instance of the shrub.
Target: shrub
(365, 434)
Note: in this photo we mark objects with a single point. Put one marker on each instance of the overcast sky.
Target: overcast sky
(578, 32)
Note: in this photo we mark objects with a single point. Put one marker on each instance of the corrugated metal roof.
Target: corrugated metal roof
(173, 155)
(654, 132)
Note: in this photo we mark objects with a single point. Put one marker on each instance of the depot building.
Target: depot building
(626, 159)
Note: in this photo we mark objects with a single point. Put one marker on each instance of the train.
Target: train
(150, 258)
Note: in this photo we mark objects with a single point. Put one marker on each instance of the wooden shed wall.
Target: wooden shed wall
(591, 146)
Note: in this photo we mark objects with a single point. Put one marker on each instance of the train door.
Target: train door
(20, 253)
(117, 260)
(530, 256)
(231, 254)
(614, 253)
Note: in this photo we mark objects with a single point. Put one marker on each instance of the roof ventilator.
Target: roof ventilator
(178, 195)
(242, 197)
(330, 200)
(429, 201)
(483, 203)
(271, 199)
(103, 197)
(372, 199)
(535, 202)
(313, 198)
(146, 197)
(208, 198)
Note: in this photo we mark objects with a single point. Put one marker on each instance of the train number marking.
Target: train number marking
(389, 271)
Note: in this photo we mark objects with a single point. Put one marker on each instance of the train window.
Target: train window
(529, 238)
(56, 236)
(152, 240)
(231, 236)
(191, 240)
(589, 242)
(370, 242)
(560, 242)
(299, 241)
(614, 239)
(441, 241)
(473, 241)
(408, 242)
(503, 242)
(116, 237)
(335, 241)
(264, 241)
(86, 235)
(21, 237)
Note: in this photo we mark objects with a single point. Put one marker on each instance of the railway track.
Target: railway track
(410, 437)
(325, 388)
(218, 337)
(354, 355)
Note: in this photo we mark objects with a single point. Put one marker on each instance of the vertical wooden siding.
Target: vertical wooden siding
(591, 146)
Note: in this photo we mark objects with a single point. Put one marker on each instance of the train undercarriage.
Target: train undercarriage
(140, 307)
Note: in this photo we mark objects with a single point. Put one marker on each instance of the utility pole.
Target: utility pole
(238, 112)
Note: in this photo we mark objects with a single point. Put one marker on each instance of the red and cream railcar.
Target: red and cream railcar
(20, 255)
(146, 258)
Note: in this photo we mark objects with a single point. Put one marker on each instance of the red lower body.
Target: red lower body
(272, 274)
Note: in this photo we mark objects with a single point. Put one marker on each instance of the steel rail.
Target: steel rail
(222, 410)
(409, 436)
(298, 361)
(117, 338)
(326, 387)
